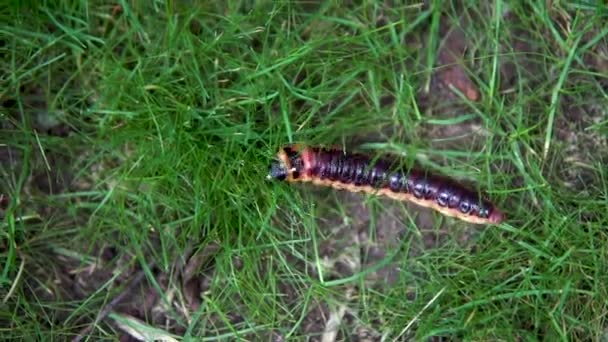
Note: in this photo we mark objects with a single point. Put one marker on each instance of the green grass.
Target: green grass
(175, 110)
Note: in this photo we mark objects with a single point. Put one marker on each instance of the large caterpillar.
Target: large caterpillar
(359, 173)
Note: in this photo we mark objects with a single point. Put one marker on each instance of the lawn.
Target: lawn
(135, 139)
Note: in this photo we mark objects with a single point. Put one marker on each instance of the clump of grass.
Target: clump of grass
(175, 110)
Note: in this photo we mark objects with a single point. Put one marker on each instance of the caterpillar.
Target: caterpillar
(357, 172)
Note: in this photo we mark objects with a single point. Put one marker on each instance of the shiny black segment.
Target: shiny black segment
(412, 180)
(443, 199)
(333, 168)
(339, 162)
(394, 182)
(361, 176)
(464, 207)
(484, 211)
(418, 190)
(431, 188)
(454, 200)
(324, 165)
(378, 177)
(323, 170)
(345, 172)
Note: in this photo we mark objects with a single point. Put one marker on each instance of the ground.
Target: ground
(135, 139)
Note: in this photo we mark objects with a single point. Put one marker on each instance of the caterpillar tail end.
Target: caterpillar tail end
(496, 217)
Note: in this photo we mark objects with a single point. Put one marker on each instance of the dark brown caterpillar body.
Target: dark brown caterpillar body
(360, 173)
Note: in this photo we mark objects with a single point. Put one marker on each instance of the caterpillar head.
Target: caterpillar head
(287, 165)
(277, 171)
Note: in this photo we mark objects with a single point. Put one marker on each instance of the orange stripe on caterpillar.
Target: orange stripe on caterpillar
(360, 173)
